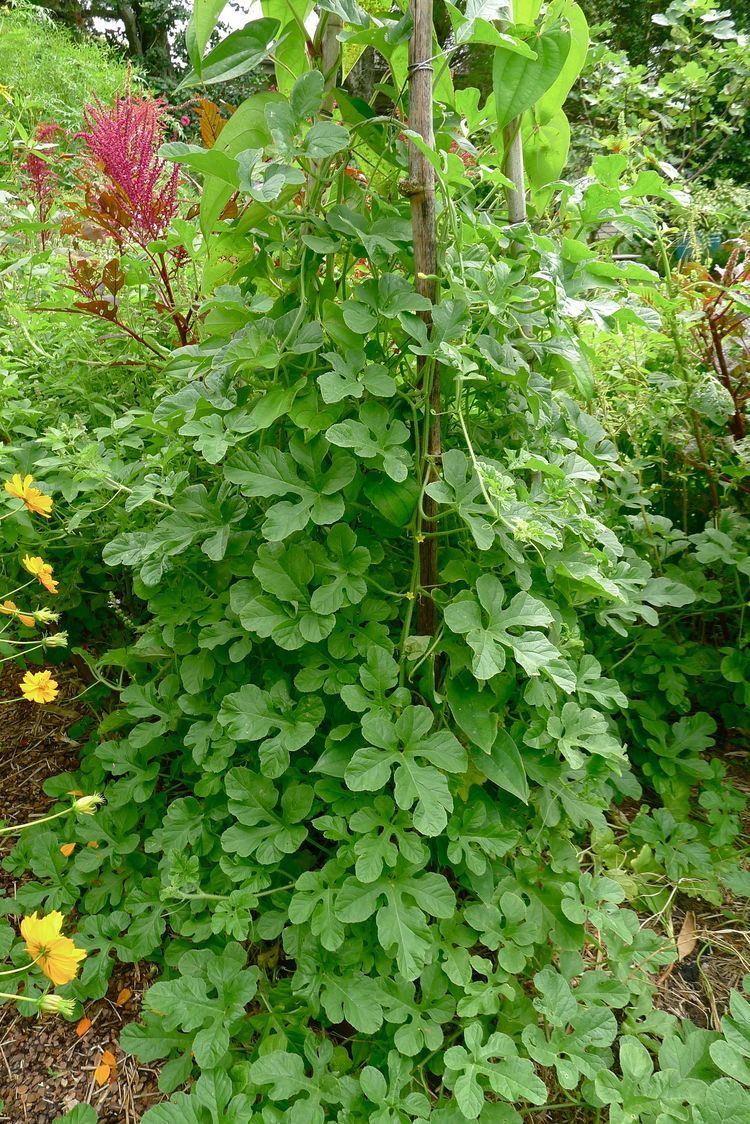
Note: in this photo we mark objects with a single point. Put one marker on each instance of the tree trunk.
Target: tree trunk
(132, 31)
(421, 190)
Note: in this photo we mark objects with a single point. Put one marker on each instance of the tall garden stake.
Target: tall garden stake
(421, 191)
(515, 196)
(330, 61)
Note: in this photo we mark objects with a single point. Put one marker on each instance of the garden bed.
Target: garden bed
(48, 1065)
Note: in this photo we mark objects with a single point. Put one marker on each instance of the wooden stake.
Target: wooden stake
(330, 62)
(421, 191)
(515, 196)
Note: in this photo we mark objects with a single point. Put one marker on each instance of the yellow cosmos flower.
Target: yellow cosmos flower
(55, 954)
(42, 570)
(39, 687)
(10, 609)
(21, 488)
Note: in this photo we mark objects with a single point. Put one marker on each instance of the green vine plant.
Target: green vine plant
(357, 793)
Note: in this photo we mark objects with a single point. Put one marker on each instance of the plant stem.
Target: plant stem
(13, 828)
(23, 998)
(23, 967)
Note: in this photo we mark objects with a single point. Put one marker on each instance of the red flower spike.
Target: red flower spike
(41, 173)
(124, 140)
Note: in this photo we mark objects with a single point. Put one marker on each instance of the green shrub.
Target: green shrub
(51, 74)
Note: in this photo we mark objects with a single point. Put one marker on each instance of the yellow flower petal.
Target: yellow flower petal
(101, 1074)
(40, 570)
(38, 931)
(55, 954)
(60, 961)
(21, 488)
(39, 687)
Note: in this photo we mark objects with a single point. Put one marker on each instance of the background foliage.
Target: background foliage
(49, 73)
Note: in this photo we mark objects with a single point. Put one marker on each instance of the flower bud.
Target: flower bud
(53, 1004)
(87, 805)
(57, 640)
(45, 616)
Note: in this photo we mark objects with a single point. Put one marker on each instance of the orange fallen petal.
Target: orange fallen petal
(101, 1074)
(67, 849)
(123, 997)
(108, 1058)
(93, 843)
(83, 1026)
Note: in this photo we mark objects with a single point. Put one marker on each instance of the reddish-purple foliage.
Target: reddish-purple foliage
(124, 139)
(41, 173)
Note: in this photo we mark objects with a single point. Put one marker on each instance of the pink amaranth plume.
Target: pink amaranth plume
(124, 138)
(40, 171)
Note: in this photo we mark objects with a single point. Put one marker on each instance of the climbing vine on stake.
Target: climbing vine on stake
(421, 191)
(364, 866)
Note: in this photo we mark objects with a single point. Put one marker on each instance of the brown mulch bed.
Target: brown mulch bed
(47, 1065)
(46, 1068)
(698, 986)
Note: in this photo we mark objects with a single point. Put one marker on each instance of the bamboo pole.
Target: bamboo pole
(421, 192)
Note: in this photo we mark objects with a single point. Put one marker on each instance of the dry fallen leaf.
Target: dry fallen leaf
(123, 997)
(67, 849)
(211, 122)
(106, 1069)
(83, 1026)
(101, 1074)
(686, 938)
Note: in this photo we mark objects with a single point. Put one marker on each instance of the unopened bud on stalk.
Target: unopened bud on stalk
(87, 805)
(57, 640)
(45, 616)
(57, 1005)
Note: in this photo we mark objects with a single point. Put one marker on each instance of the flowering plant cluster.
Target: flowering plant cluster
(56, 956)
(138, 197)
(35, 686)
(131, 199)
(53, 954)
(126, 200)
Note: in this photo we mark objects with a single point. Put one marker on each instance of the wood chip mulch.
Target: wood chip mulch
(46, 1068)
(47, 1065)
